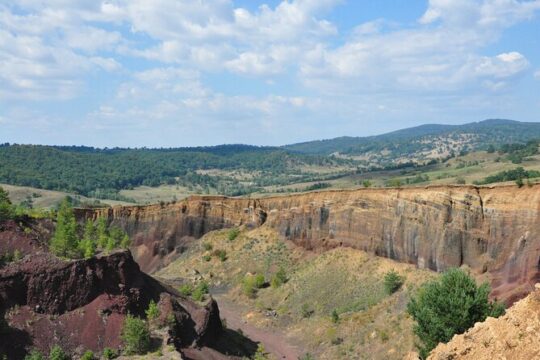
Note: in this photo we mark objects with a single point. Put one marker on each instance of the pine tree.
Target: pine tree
(64, 242)
(102, 233)
(6, 208)
(87, 246)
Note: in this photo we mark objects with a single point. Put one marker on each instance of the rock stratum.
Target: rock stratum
(81, 305)
(493, 230)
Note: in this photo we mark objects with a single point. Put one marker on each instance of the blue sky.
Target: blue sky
(163, 73)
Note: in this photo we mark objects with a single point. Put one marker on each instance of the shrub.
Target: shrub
(306, 356)
(261, 353)
(135, 335)
(208, 246)
(109, 353)
(449, 306)
(306, 311)
(6, 208)
(251, 284)
(201, 290)
(221, 254)
(34, 355)
(392, 282)
(279, 278)
(207, 258)
(58, 354)
(366, 183)
(64, 241)
(259, 281)
(233, 234)
(152, 312)
(335, 316)
(186, 289)
(88, 355)
(519, 182)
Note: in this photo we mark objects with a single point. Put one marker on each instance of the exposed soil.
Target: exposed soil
(274, 342)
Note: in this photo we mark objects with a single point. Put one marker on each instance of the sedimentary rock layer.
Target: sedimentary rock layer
(490, 229)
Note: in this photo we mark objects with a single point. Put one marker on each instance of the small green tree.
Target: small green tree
(58, 354)
(261, 353)
(392, 282)
(125, 243)
(102, 232)
(87, 246)
(109, 353)
(201, 290)
(366, 183)
(335, 316)
(279, 278)
(448, 306)
(65, 241)
(153, 311)
(6, 208)
(233, 234)
(135, 335)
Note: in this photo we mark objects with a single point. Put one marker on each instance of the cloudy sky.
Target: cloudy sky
(204, 72)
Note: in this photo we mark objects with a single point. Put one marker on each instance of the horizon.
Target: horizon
(135, 74)
(253, 145)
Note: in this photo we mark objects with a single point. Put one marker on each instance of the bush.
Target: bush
(34, 355)
(251, 284)
(109, 353)
(279, 278)
(186, 289)
(207, 258)
(88, 355)
(233, 234)
(208, 246)
(201, 290)
(58, 354)
(221, 254)
(335, 316)
(152, 312)
(306, 311)
(392, 282)
(261, 353)
(449, 306)
(135, 335)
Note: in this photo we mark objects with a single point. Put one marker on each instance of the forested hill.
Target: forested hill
(473, 136)
(102, 172)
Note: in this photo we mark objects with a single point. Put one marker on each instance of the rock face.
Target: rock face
(81, 305)
(490, 229)
(516, 335)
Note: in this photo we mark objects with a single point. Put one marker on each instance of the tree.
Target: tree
(448, 306)
(153, 311)
(135, 335)
(87, 245)
(6, 208)
(88, 355)
(102, 232)
(392, 282)
(65, 242)
(34, 355)
(279, 278)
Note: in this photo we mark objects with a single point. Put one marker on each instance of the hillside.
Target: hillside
(423, 154)
(425, 141)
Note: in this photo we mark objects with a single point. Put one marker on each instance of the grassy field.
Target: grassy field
(371, 324)
(47, 198)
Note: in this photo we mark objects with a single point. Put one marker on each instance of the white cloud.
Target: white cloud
(537, 74)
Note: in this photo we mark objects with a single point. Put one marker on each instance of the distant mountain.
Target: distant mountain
(472, 136)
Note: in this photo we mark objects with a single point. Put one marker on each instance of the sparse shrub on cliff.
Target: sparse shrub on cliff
(58, 354)
(261, 353)
(233, 234)
(449, 306)
(186, 289)
(34, 355)
(152, 312)
(109, 353)
(366, 183)
(220, 254)
(252, 283)
(207, 246)
(135, 335)
(279, 278)
(392, 282)
(335, 316)
(88, 355)
(201, 290)
(207, 258)
(306, 311)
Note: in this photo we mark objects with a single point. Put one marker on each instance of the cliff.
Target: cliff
(493, 230)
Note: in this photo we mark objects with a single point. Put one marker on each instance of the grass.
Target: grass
(371, 324)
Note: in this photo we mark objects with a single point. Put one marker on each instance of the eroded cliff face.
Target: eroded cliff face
(494, 230)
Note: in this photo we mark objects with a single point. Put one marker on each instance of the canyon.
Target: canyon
(495, 231)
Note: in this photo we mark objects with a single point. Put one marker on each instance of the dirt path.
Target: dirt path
(274, 342)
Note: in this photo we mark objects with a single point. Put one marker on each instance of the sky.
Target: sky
(172, 73)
